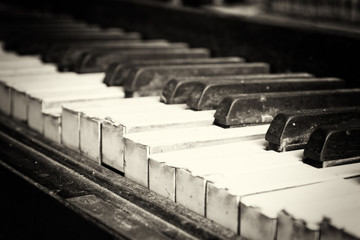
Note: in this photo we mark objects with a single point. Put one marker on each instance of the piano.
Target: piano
(179, 120)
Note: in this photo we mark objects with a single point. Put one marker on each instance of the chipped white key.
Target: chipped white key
(52, 124)
(302, 219)
(8, 83)
(170, 117)
(71, 113)
(91, 121)
(162, 165)
(191, 180)
(19, 92)
(261, 210)
(40, 101)
(140, 145)
(257, 224)
(341, 224)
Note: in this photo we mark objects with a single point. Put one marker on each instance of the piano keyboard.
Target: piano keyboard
(223, 174)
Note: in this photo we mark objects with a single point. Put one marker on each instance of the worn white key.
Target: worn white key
(91, 121)
(301, 175)
(36, 70)
(140, 145)
(142, 120)
(52, 124)
(162, 165)
(260, 211)
(6, 84)
(22, 63)
(40, 101)
(19, 92)
(197, 176)
(341, 224)
(71, 115)
(197, 166)
(302, 219)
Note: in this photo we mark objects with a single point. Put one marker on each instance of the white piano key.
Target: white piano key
(6, 84)
(133, 117)
(162, 165)
(40, 101)
(37, 70)
(16, 59)
(5, 103)
(140, 145)
(22, 63)
(342, 225)
(52, 124)
(71, 115)
(19, 92)
(258, 219)
(245, 163)
(302, 219)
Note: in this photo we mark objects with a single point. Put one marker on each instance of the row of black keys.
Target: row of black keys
(317, 114)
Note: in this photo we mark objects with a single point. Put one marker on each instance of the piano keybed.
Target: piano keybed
(223, 174)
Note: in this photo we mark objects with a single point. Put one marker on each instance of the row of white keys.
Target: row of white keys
(39, 101)
(196, 166)
(282, 178)
(106, 125)
(71, 114)
(303, 220)
(21, 88)
(91, 122)
(187, 176)
(11, 86)
(342, 224)
(139, 146)
(139, 119)
(52, 121)
(305, 207)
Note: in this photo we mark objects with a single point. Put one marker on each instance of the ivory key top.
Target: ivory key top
(341, 225)
(139, 146)
(131, 118)
(71, 113)
(302, 220)
(259, 212)
(37, 102)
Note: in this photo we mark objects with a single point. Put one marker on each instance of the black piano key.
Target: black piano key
(73, 55)
(259, 108)
(98, 62)
(291, 130)
(333, 145)
(68, 53)
(155, 78)
(207, 96)
(117, 73)
(177, 90)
